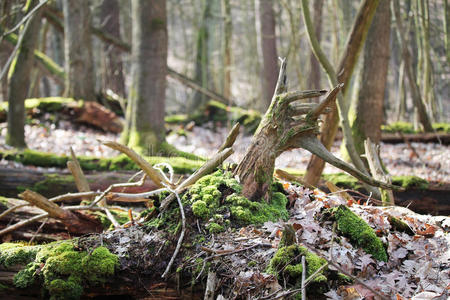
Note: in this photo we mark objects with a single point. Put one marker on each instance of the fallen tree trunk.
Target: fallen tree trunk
(13, 181)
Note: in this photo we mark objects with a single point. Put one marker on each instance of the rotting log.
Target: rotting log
(12, 181)
(284, 127)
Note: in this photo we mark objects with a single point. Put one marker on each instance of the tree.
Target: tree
(369, 106)
(79, 65)
(19, 81)
(314, 74)
(146, 105)
(110, 23)
(269, 51)
(343, 74)
(415, 91)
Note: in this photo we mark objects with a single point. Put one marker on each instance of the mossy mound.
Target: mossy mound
(63, 269)
(219, 194)
(219, 112)
(359, 232)
(287, 265)
(180, 165)
(405, 127)
(216, 199)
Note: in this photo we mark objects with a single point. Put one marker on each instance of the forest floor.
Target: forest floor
(432, 162)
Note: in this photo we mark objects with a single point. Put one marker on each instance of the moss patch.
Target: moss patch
(216, 194)
(409, 182)
(287, 265)
(181, 165)
(359, 233)
(405, 127)
(63, 270)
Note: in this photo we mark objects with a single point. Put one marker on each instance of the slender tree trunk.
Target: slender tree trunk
(415, 91)
(110, 24)
(149, 70)
(226, 45)
(269, 51)
(348, 60)
(19, 81)
(79, 65)
(369, 107)
(314, 75)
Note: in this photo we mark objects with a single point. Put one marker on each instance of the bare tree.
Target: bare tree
(269, 51)
(80, 77)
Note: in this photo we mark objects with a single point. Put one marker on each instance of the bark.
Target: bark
(347, 63)
(269, 51)
(149, 70)
(414, 88)
(369, 106)
(314, 75)
(114, 78)
(19, 81)
(226, 45)
(78, 51)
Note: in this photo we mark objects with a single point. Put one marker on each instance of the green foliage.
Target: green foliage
(62, 269)
(359, 232)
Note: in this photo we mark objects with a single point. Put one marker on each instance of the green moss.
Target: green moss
(286, 264)
(342, 180)
(175, 119)
(214, 227)
(200, 209)
(409, 182)
(181, 165)
(64, 271)
(399, 225)
(207, 200)
(12, 254)
(120, 216)
(359, 233)
(405, 127)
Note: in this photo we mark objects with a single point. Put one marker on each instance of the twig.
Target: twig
(112, 195)
(303, 278)
(28, 16)
(111, 217)
(180, 239)
(331, 97)
(23, 223)
(117, 185)
(71, 196)
(37, 231)
(231, 138)
(153, 174)
(80, 180)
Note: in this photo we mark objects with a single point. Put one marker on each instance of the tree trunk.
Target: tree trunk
(20, 79)
(349, 57)
(369, 106)
(314, 74)
(79, 65)
(149, 70)
(415, 91)
(110, 24)
(226, 46)
(269, 51)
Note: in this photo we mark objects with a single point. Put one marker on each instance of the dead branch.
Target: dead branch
(153, 174)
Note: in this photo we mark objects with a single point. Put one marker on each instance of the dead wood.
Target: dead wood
(279, 131)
